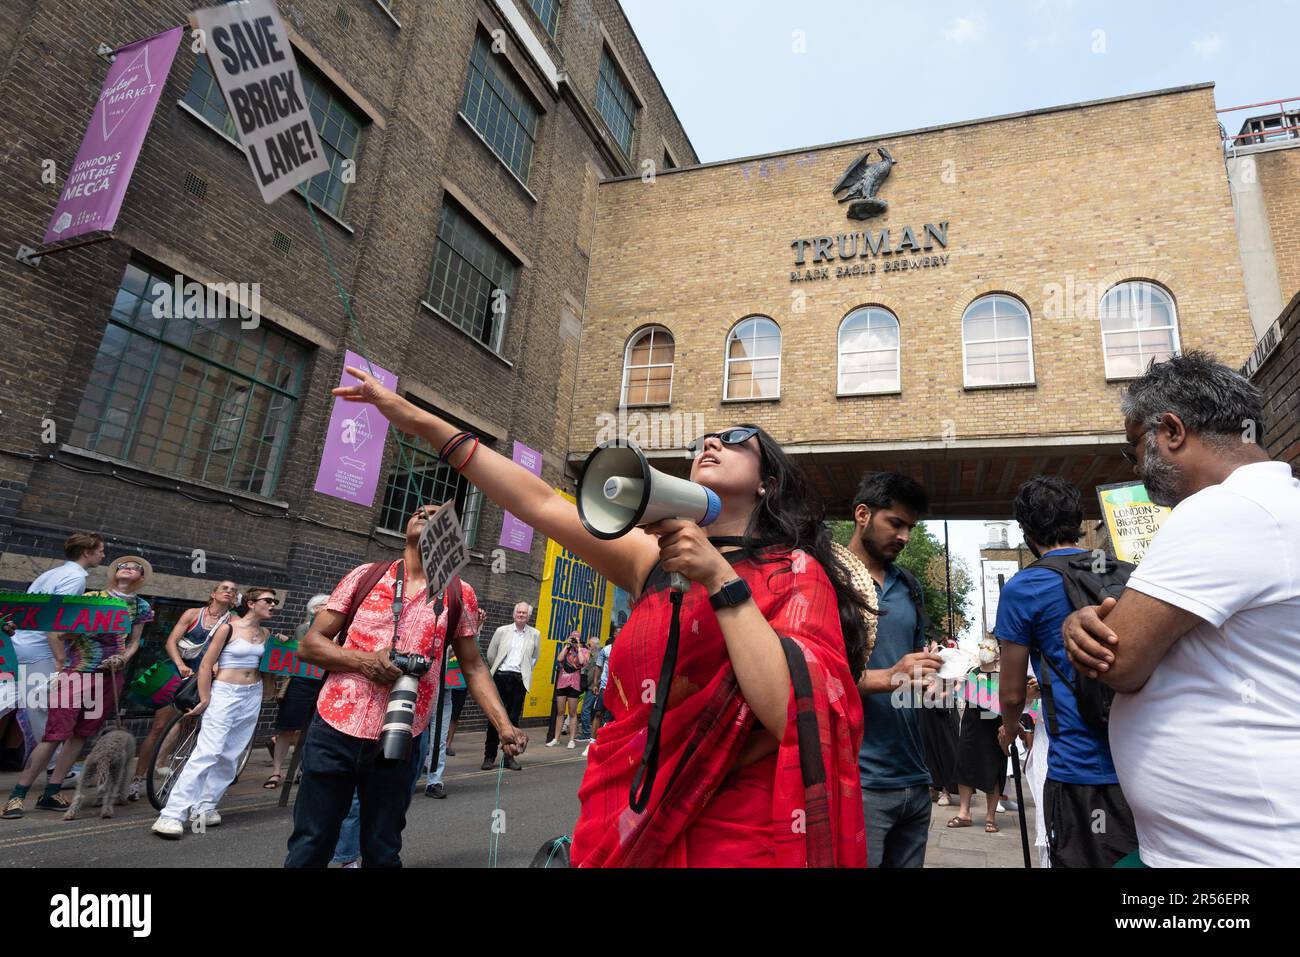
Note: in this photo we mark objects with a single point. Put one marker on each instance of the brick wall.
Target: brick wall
(1279, 181)
(1279, 379)
(1062, 199)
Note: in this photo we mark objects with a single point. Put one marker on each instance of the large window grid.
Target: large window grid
(1138, 324)
(997, 348)
(197, 397)
(753, 362)
(336, 123)
(548, 11)
(614, 101)
(648, 368)
(868, 352)
(469, 267)
(497, 106)
(421, 478)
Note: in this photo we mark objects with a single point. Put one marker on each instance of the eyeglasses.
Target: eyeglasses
(273, 601)
(1129, 449)
(136, 565)
(736, 436)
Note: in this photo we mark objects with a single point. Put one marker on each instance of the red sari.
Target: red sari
(775, 812)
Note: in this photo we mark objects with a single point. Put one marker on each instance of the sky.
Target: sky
(761, 76)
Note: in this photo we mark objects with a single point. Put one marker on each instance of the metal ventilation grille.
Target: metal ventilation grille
(195, 186)
(280, 242)
(343, 18)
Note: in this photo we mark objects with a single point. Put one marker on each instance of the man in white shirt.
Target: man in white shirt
(40, 654)
(512, 654)
(1204, 645)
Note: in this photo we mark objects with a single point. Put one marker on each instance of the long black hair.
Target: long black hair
(790, 515)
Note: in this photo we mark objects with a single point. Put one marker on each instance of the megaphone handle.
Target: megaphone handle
(679, 582)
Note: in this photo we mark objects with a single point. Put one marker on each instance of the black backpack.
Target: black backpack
(1089, 578)
(924, 627)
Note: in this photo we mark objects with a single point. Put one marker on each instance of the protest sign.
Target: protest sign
(354, 442)
(515, 534)
(254, 65)
(281, 658)
(1131, 517)
(443, 551)
(77, 614)
(996, 574)
(92, 193)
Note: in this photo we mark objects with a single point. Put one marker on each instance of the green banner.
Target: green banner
(75, 614)
(281, 658)
(8, 660)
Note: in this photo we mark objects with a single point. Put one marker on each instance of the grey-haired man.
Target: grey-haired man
(512, 655)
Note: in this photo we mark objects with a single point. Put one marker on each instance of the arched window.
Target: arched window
(996, 343)
(648, 368)
(753, 367)
(868, 349)
(1138, 324)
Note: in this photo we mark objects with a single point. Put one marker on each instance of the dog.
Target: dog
(110, 762)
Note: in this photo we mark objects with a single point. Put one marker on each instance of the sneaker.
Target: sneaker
(450, 753)
(584, 737)
(512, 764)
(55, 802)
(71, 780)
(564, 729)
(435, 791)
(571, 745)
(15, 808)
(1008, 805)
(169, 828)
(944, 800)
(134, 793)
(352, 865)
(209, 818)
(487, 765)
(553, 742)
(586, 751)
(1001, 807)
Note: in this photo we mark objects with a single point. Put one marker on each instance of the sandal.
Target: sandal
(960, 821)
(990, 827)
(272, 782)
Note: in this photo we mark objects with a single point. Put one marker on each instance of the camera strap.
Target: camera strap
(398, 585)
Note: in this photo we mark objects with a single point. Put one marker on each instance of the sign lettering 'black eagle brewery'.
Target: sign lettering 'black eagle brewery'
(855, 253)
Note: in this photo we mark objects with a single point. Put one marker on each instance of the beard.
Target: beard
(880, 554)
(1163, 480)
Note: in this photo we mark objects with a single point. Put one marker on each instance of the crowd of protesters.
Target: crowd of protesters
(1169, 692)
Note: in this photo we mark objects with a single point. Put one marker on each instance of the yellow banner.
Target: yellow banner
(573, 597)
(1131, 517)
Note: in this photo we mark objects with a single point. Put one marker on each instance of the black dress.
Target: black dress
(939, 735)
(980, 762)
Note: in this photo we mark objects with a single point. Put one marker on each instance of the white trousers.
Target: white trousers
(227, 725)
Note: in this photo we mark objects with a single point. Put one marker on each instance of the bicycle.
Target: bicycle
(185, 730)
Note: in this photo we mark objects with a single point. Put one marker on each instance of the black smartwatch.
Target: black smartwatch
(731, 593)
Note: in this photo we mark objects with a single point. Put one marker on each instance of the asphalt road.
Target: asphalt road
(539, 803)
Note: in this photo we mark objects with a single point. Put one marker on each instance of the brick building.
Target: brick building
(975, 325)
(466, 139)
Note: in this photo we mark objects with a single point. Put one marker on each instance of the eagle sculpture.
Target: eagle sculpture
(861, 181)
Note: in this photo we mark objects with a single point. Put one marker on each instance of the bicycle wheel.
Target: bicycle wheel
(163, 775)
(243, 758)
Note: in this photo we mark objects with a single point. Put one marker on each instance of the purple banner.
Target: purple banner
(354, 444)
(92, 194)
(514, 533)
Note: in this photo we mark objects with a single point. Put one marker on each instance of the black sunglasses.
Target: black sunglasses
(273, 601)
(736, 436)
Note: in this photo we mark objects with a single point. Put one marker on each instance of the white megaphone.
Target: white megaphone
(618, 490)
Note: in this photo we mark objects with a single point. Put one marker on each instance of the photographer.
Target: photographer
(568, 687)
(342, 753)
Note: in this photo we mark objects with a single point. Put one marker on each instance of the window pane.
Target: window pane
(496, 105)
(468, 270)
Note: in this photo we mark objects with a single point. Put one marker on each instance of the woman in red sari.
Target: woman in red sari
(757, 748)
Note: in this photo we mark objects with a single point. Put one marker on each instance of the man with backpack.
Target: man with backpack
(891, 762)
(1088, 821)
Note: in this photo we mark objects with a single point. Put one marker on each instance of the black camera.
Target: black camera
(399, 714)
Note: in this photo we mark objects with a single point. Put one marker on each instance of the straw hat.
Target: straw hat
(117, 562)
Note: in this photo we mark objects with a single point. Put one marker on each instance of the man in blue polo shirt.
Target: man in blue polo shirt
(891, 763)
(1089, 823)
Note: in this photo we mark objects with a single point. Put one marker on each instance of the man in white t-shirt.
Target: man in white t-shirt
(512, 654)
(1204, 645)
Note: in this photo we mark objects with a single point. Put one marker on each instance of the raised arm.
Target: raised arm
(625, 561)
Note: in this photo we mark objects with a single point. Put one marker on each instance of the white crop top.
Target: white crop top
(241, 653)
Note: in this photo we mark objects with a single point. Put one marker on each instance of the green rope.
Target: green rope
(558, 843)
(493, 855)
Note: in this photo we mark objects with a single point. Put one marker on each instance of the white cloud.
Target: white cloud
(1207, 45)
(965, 29)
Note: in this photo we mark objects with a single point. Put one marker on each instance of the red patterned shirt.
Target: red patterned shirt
(352, 703)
